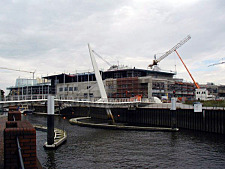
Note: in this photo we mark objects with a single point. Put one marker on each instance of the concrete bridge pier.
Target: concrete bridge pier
(173, 112)
(1, 108)
(50, 121)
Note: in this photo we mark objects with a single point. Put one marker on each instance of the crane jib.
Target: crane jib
(174, 48)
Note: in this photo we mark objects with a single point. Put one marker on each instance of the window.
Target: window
(124, 86)
(66, 88)
(75, 88)
(91, 95)
(70, 88)
(60, 89)
(88, 87)
(110, 86)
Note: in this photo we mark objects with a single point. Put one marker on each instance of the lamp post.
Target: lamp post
(63, 122)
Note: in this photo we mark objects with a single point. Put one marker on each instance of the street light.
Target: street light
(63, 122)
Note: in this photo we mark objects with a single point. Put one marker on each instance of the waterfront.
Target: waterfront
(99, 148)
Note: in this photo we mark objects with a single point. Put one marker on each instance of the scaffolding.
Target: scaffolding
(129, 87)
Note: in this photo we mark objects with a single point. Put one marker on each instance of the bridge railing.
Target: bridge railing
(109, 99)
(26, 97)
(45, 96)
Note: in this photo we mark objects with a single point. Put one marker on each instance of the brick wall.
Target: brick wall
(27, 138)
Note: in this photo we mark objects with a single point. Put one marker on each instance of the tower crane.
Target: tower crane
(18, 70)
(156, 61)
(216, 64)
(174, 49)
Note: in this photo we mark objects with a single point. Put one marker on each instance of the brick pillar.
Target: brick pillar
(27, 138)
(13, 108)
(13, 111)
(16, 114)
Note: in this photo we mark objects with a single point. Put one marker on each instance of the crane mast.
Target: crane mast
(156, 61)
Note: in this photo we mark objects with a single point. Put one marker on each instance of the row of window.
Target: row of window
(90, 95)
(201, 93)
(68, 89)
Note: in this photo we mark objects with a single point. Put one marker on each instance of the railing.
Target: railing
(19, 149)
(148, 102)
(109, 99)
(70, 98)
(20, 154)
(26, 97)
(45, 96)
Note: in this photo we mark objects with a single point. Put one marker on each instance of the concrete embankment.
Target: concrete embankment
(81, 121)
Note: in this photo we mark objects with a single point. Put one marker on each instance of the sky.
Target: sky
(51, 37)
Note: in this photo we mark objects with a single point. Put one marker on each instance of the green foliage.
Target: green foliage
(209, 103)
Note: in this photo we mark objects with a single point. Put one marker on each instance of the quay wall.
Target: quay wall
(209, 120)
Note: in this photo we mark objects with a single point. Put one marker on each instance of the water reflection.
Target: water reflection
(50, 162)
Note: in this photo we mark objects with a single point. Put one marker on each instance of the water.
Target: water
(99, 148)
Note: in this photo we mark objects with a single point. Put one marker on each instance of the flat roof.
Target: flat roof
(171, 73)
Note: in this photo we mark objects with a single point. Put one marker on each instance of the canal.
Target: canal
(100, 148)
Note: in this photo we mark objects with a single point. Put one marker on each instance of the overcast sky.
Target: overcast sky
(51, 36)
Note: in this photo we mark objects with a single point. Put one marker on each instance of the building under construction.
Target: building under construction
(121, 83)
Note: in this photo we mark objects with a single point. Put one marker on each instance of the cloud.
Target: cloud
(51, 37)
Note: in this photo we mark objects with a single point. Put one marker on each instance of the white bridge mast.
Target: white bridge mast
(104, 97)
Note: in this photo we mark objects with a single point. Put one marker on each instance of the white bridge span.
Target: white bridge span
(110, 104)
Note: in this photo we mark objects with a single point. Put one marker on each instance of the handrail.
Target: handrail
(20, 154)
(19, 149)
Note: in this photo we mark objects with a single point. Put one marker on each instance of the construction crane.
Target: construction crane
(216, 64)
(18, 70)
(156, 61)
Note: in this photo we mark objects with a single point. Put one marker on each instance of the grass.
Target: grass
(209, 103)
